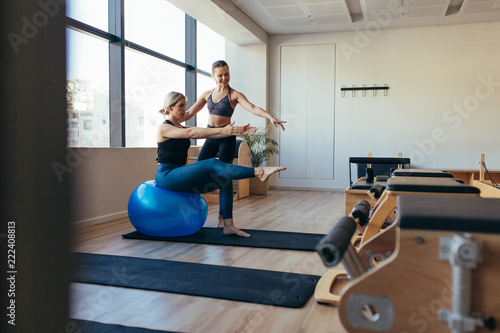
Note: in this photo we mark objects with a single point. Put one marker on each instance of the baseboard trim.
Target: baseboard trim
(299, 188)
(100, 219)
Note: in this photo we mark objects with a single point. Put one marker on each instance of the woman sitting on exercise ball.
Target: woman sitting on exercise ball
(203, 176)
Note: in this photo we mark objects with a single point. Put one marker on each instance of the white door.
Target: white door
(307, 104)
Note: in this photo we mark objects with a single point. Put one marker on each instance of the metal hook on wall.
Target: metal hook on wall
(364, 90)
(386, 89)
(375, 90)
(343, 91)
(353, 90)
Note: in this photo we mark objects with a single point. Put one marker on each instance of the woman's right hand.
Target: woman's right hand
(233, 130)
(238, 130)
(228, 129)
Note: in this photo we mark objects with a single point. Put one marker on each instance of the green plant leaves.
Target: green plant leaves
(261, 147)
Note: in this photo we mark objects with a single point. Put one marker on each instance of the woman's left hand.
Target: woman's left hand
(278, 123)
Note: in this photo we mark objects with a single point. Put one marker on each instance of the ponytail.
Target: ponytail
(170, 100)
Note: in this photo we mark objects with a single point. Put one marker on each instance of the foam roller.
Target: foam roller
(361, 212)
(331, 248)
(377, 190)
(364, 203)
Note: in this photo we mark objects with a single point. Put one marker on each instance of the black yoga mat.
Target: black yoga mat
(224, 282)
(282, 240)
(84, 326)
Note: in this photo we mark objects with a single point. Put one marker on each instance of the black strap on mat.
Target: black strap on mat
(223, 282)
(268, 239)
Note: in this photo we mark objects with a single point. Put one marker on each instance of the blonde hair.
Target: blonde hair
(170, 100)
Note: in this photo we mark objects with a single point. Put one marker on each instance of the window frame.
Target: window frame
(117, 45)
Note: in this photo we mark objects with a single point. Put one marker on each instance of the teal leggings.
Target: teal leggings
(202, 177)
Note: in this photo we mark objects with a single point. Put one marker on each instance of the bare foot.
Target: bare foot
(263, 173)
(230, 229)
(221, 222)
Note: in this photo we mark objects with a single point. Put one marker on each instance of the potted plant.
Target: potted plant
(260, 147)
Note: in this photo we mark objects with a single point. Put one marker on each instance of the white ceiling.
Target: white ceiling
(310, 16)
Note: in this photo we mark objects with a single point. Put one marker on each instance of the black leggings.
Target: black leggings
(224, 147)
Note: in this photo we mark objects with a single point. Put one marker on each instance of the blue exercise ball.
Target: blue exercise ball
(155, 211)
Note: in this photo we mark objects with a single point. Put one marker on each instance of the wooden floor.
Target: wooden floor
(298, 211)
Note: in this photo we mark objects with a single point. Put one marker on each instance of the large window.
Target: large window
(91, 12)
(157, 25)
(147, 80)
(210, 47)
(87, 90)
(203, 84)
(123, 57)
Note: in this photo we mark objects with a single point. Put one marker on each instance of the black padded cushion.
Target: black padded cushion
(378, 169)
(449, 213)
(381, 178)
(429, 184)
(379, 160)
(237, 150)
(364, 185)
(421, 173)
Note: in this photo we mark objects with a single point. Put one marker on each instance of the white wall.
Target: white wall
(248, 68)
(431, 72)
(103, 180)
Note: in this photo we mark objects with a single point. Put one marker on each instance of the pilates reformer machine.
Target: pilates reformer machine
(442, 274)
(372, 173)
(379, 220)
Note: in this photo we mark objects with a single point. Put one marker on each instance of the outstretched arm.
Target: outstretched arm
(196, 107)
(245, 130)
(247, 105)
(167, 131)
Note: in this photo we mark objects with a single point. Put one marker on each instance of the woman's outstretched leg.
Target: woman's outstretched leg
(201, 177)
(263, 173)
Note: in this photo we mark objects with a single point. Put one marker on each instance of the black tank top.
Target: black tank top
(173, 151)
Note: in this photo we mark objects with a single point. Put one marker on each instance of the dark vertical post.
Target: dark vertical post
(34, 202)
(117, 74)
(191, 92)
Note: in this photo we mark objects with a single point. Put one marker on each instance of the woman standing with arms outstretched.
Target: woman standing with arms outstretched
(221, 102)
(203, 176)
